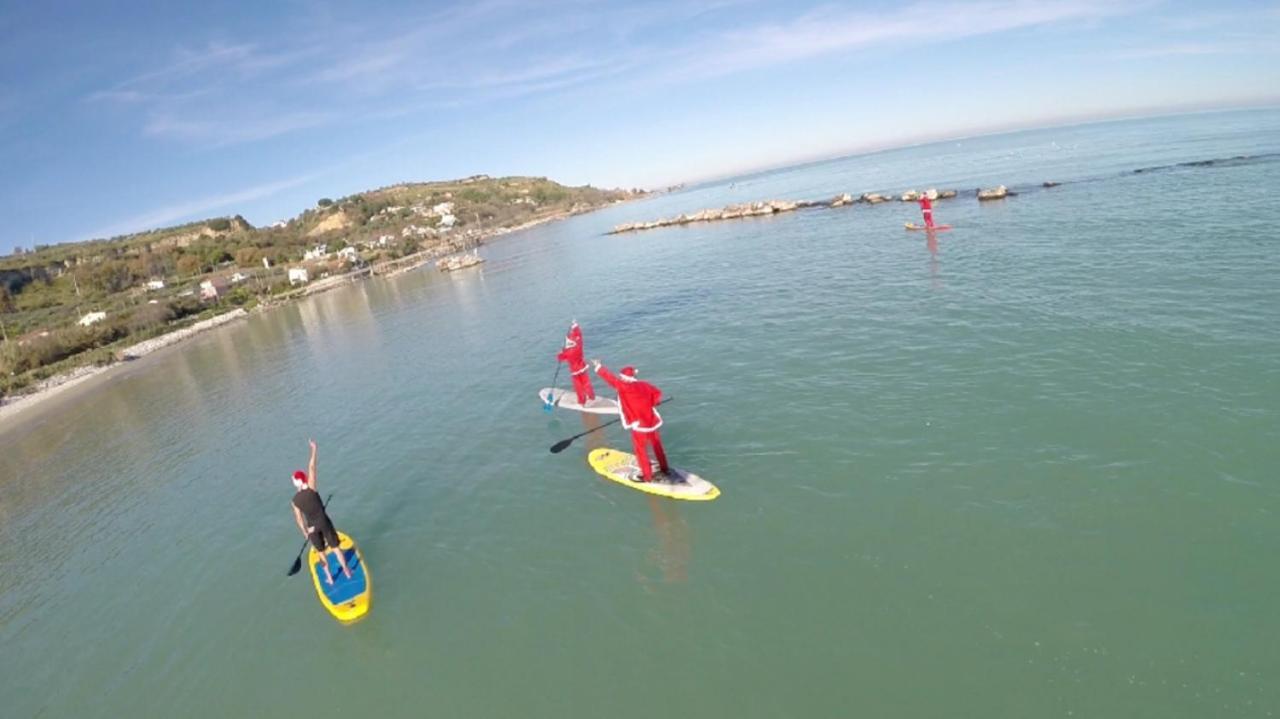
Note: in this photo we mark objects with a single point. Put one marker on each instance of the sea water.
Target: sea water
(1025, 468)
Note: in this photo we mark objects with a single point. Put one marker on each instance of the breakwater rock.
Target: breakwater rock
(995, 193)
(731, 212)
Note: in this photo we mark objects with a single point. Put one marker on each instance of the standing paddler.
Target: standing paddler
(313, 521)
(926, 209)
(572, 353)
(637, 402)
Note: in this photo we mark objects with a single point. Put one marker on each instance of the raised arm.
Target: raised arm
(311, 465)
(605, 374)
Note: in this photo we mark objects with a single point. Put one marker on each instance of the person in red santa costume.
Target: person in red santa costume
(572, 354)
(638, 401)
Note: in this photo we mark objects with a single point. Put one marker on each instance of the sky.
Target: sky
(119, 116)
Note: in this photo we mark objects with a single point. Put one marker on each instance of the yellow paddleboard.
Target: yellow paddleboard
(347, 600)
(621, 467)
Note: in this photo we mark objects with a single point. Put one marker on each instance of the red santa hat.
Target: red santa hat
(300, 479)
(628, 374)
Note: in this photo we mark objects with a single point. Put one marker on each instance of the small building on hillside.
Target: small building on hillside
(447, 220)
(298, 276)
(155, 285)
(92, 318)
(348, 254)
(238, 277)
(316, 253)
(213, 288)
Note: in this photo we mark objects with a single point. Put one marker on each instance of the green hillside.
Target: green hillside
(46, 291)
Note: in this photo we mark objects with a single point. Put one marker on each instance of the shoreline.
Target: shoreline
(51, 387)
(46, 389)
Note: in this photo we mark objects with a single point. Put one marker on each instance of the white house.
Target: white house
(447, 220)
(316, 253)
(213, 288)
(298, 276)
(155, 285)
(92, 318)
(238, 277)
(348, 254)
(415, 231)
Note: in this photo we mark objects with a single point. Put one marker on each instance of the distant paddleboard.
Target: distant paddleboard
(935, 228)
(566, 399)
(621, 468)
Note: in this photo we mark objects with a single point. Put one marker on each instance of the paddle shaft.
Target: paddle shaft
(551, 396)
(564, 443)
(297, 561)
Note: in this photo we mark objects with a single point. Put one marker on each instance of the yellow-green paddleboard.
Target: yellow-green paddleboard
(621, 467)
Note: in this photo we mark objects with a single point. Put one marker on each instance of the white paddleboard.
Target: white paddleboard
(568, 399)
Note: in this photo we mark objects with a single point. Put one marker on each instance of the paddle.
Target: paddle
(550, 401)
(563, 444)
(297, 562)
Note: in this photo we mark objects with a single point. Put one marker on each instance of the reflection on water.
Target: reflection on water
(670, 556)
(931, 241)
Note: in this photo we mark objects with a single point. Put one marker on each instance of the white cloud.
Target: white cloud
(342, 70)
(195, 209)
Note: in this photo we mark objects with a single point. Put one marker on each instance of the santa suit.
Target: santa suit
(926, 209)
(577, 365)
(638, 401)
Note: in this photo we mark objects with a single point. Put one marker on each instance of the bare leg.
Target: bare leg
(324, 562)
(342, 560)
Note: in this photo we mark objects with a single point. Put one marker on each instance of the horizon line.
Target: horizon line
(1260, 104)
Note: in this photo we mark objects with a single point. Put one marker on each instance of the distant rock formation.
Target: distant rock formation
(771, 207)
(731, 212)
(995, 193)
(1050, 183)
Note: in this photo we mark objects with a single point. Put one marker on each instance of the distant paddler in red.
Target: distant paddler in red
(638, 401)
(926, 208)
(572, 353)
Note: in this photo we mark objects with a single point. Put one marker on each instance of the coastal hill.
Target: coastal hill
(70, 304)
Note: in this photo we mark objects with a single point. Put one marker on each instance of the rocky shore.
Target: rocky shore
(146, 347)
(774, 207)
(59, 383)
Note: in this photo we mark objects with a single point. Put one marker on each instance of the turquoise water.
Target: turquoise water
(1028, 469)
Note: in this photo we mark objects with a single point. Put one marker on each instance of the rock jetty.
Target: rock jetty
(774, 207)
(731, 212)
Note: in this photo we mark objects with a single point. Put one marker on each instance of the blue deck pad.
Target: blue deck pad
(343, 589)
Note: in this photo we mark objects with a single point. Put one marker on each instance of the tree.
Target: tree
(324, 202)
(248, 257)
(189, 265)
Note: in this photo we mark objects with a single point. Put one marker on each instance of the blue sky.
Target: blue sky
(121, 116)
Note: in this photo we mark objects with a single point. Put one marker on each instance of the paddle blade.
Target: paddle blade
(297, 566)
(561, 446)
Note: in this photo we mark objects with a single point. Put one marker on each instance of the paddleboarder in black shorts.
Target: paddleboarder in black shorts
(313, 521)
